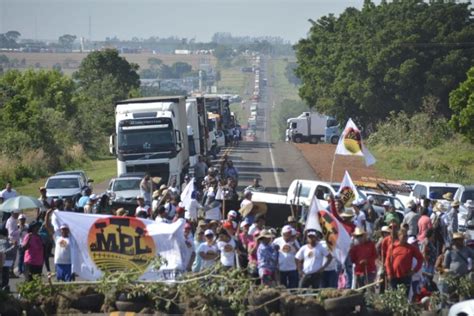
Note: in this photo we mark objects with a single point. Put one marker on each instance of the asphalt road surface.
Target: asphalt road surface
(276, 164)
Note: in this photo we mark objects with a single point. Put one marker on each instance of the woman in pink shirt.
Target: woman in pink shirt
(33, 246)
(424, 223)
(252, 253)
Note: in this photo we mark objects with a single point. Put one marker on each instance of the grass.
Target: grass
(234, 81)
(452, 161)
(99, 170)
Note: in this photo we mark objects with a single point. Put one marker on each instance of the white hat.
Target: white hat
(387, 203)
(244, 222)
(371, 198)
(246, 192)
(312, 233)
(16, 211)
(64, 226)
(208, 232)
(411, 240)
(22, 216)
(286, 229)
(232, 213)
(93, 197)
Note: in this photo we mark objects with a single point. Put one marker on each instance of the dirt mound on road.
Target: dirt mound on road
(320, 157)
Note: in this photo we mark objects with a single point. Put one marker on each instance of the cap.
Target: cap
(22, 216)
(244, 223)
(17, 211)
(411, 240)
(64, 226)
(247, 192)
(387, 203)
(93, 197)
(312, 233)
(371, 198)
(208, 232)
(386, 229)
(180, 210)
(232, 213)
(348, 213)
(140, 197)
(286, 229)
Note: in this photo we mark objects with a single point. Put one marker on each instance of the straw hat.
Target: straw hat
(156, 194)
(458, 236)
(347, 214)
(455, 203)
(439, 207)
(265, 234)
(386, 229)
(121, 212)
(448, 196)
(358, 232)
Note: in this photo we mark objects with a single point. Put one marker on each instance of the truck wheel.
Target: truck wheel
(313, 140)
(334, 140)
(298, 139)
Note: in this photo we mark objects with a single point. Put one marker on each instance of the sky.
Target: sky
(199, 19)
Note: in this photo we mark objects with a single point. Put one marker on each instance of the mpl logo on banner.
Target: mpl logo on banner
(101, 243)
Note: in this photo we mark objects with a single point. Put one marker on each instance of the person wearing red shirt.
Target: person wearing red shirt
(398, 262)
(363, 255)
(424, 224)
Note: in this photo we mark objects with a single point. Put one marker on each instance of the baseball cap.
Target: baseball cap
(139, 197)
(64, 226)
(286, 229)
(244, 223)
(386, 229)
(387, 203)
(312, 233)
(208, 232)
(93, 197)
(232, 213)
(411, 240)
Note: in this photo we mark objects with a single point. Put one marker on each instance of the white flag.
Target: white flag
(220, 193)
(102, 243)
(347, 190)
(186, 194)
(351, 144)
(312, 220)
(336, 236)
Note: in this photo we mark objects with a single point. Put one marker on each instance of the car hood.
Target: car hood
(127, 194)
(62, 192)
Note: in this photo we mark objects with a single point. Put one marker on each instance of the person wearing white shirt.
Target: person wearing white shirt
(62, 254)
(287, 248)
(359, 218)
(247, 198)
(161, 217)
(310, 261)
(8, 192)
(226, 246)
(193, 207)
(189, 253)
(208, 251)
(330, 277)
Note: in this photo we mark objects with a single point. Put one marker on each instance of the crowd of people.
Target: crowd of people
(387, 250)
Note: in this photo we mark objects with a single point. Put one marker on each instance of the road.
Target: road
(277, 163)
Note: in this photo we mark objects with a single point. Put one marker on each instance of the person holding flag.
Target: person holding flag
(363, 255)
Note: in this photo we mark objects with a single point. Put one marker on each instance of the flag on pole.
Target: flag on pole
(351, 144)
(347, 190)
(337, 238)
(186, 194)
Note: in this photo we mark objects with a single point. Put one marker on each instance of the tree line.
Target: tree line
(388, 58)
(61, 118)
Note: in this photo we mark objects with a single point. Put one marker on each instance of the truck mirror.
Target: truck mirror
(178, 140)
(112, 144)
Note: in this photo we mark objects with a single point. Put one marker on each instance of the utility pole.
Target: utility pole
(90, 29)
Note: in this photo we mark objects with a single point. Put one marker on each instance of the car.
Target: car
(124, 189)
(434, 190)
(380, 198)
(80, 173)
(463, 194)
(65, 186)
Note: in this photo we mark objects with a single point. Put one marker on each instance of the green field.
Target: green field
(98, 170)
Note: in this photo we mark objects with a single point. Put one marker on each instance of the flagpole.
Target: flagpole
(332, 167)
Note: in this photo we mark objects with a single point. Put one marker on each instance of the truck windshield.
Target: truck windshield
(149, 135)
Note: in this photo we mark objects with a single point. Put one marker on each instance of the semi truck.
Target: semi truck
(311, 127)
(150, 137)
(193, 131)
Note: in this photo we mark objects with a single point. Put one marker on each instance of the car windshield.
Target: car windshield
(126, 184)
(438, 192)
(467, 195)
(66, 183)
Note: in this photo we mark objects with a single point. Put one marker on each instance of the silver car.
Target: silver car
(65, 186)
(124, 190)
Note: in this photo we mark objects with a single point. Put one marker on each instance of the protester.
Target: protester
(451, 221)
(310, 259)
(62, 253)
(267, 258)
(161, 215)
(83, 200)
(424, 224)
(359, 215)
(8, 192)
(429, 251)
(255, 187)
(13, 236)
(411, 219)
(208, 251)
(287, 248)
(142, 209)
(89, 208)
(189, 250)
(7, 257)
(398, 262)
(23, 227)
(363, 255)
(226, 246)
(146, 189)
(329, 279)
(200, 171)
(459, 259)
(34, 253)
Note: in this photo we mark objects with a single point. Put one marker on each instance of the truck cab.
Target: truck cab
(307, 127)
(332, 131)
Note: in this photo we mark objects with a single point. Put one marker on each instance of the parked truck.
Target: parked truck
(312, 127)
(193, 131)
(150, 137)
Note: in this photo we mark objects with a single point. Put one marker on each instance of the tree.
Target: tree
(8, 39)
(66, 41)
(154, 62)
(367, 63)
(461, 102)
(180, 69)
(104, 78)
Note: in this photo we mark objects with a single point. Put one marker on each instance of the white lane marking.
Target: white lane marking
(275, 174)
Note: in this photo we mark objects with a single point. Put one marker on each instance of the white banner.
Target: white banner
(351, 144)
(312, 220)
(187, 193)
(102, 243)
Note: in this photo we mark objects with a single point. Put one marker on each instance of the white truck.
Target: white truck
(308, 127)
(193, 130)
(149, 137)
